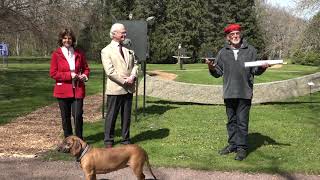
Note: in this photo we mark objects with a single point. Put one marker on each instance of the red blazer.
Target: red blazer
(60, 71)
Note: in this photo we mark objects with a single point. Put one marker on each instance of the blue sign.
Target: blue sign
(4, 51)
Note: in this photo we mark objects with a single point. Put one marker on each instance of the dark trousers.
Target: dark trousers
(74, 106)
(238, 121)
(115, 103)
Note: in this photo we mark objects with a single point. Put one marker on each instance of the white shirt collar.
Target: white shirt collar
(235, 53)
(69, 55)
(115, 43)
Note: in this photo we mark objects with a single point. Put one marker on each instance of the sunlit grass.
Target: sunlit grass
(199, 74)
(284, 136)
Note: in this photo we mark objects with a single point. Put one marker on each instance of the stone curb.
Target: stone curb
(212, 94)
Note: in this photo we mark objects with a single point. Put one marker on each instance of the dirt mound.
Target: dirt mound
(162, 75)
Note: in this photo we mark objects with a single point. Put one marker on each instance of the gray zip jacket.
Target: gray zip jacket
(237, 80)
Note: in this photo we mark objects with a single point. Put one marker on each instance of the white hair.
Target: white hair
(114, 28)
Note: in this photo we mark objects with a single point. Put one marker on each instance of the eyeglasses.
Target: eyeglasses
(123, 33)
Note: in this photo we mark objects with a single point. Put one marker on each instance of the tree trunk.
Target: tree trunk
(18, 44)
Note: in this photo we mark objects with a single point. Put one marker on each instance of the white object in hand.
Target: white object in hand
(311, 83)
(261, 63)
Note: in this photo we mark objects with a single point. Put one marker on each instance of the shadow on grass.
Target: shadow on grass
(156, 109)
(291, 103)
(151, 134)
(257, 140)
(179, 103)
(94, 138)
(161, 106)
(143, 136)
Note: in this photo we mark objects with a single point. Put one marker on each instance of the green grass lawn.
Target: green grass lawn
(284, 136)
(199, 74)
(26, 87)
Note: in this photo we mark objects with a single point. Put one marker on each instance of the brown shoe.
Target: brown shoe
(108, 146)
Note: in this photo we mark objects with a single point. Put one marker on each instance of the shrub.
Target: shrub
(306, 58)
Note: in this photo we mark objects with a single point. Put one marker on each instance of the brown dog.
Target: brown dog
(103, 160)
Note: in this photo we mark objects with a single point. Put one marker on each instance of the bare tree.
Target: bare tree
(308, 4)
(39, 21)
(307, 8)
(281, 29)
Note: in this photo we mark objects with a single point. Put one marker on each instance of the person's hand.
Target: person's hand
(127, 82)
(130, 80)
(211, 64)
(265, 65)
(83, 77)
(74, 75)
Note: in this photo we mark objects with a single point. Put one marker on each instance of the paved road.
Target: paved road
(36, 169)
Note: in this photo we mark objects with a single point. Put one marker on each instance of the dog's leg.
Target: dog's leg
(138, 171)
(90, 175)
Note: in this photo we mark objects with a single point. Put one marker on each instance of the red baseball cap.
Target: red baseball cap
(232, 27)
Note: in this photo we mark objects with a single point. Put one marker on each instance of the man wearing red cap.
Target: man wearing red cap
(237, 87)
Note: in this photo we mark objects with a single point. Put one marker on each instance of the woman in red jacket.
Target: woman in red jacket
(69, 68)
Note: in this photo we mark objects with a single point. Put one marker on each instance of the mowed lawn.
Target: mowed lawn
(198, 73)
(26, 87)
(284, 136)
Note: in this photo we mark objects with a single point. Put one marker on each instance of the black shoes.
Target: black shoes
(226, 150)
(241, 154)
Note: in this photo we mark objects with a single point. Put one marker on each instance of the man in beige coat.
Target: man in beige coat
(121, 69)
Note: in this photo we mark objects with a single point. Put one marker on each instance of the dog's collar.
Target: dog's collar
(84, 151)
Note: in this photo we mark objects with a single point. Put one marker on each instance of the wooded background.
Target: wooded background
(31, 27)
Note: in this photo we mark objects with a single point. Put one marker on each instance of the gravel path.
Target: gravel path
(36, 169)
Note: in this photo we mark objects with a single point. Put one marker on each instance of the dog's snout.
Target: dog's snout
(59, 148)
(63, 148)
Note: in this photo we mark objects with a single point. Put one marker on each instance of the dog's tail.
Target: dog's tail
(149, 167)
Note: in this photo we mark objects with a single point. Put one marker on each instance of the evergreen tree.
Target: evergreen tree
(215, 35)
(241, 12)
(178, 22)
(156, 8)
(196, 24)
(186, 25)
(95, 35)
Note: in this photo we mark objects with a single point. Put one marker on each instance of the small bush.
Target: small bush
(311, 58)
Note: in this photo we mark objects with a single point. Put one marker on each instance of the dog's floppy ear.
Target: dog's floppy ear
(76, 147)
